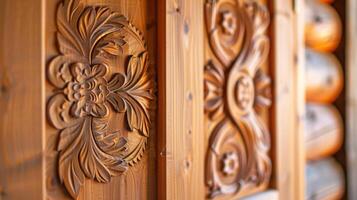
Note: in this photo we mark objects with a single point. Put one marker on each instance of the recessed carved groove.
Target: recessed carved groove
(102, 70)
(236, 90)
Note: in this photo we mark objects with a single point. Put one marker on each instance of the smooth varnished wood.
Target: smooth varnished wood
(181, 138)
(22, 109)
(351, 97)
(289, 102)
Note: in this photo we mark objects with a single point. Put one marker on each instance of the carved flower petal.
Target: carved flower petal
(117, 102)
(137, 115)
(225, 138)
(260, 131)
(258, 55)
(136, 69)
(116, 82)
(99, 110)
(81, 71)
(58, 71)
(79, 108)
(99, 70)
(59, 112)
(261, 143)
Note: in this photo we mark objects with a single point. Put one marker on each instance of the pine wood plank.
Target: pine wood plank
(181, 137)
(21, 100)
(351, 97)
(288, 64)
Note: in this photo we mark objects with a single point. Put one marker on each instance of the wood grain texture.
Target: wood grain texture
(125, 37)
(237, 91)
(289, 101)
(89, 90)
(323, 27)
(266, 195)
(324, 131)
(181, 137)
(351, 97)
(324, 180)
(324, 77)
(21, 100)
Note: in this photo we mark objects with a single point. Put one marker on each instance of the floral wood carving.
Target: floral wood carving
(102, 69)
(236, 90)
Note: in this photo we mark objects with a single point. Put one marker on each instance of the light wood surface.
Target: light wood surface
(289, 102)
(181, 137)
(325, 180)
(324, 77)
(266, 195)
(351, 97)
(21, 100)
(324, 132)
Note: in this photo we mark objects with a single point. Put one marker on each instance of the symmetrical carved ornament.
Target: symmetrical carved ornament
(236, 90)
(102, 71)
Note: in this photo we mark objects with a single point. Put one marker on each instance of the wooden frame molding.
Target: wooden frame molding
(288, 125)
(351, 98)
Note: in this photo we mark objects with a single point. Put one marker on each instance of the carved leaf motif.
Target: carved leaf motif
(133, 93)
(236, 89)
(86, 152)
(89, 39)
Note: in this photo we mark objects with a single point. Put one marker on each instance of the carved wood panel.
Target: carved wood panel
(103, 95)
(237, 92)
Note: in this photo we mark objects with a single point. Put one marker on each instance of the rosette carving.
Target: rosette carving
(102, 70)
(236, 90)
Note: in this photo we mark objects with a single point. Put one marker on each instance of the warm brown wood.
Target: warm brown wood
(121, 101)
(327, 1)
(351, 97)
(325, 180)
(289, 101)
(266, 195)
(323, 131)
(32, 167)
(323, 29)
(22, 100)
(181, 77)
(324, 77)
(237, 91)
(90, 89)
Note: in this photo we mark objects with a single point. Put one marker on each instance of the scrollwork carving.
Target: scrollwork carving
(236, 89)
(102, 69)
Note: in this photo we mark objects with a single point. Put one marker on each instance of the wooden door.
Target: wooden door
(83, 75)
(145, 99)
